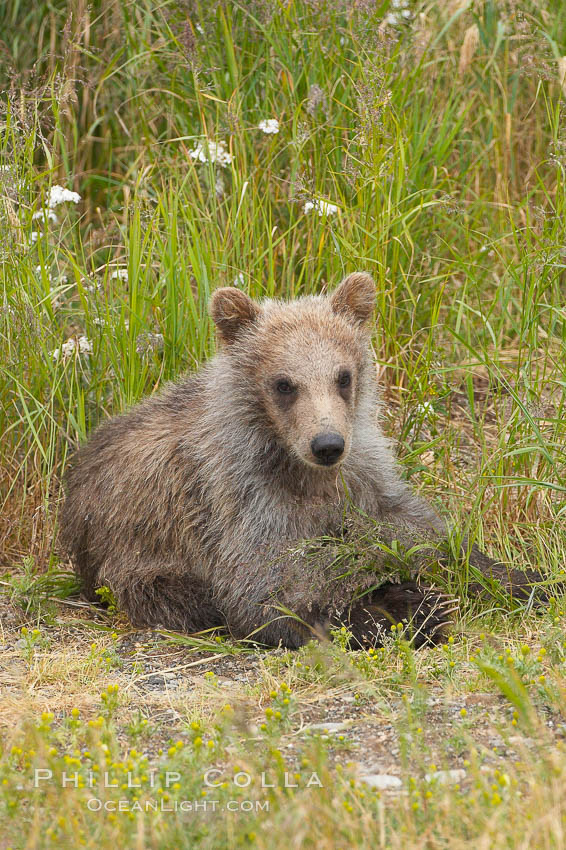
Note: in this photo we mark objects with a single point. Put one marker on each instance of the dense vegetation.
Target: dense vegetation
(423, 142)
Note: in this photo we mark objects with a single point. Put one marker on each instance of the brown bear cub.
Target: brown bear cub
(197, 506)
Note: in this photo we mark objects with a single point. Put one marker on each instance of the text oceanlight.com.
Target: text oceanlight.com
(95, 804)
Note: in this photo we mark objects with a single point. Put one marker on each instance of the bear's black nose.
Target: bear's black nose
(327, 447)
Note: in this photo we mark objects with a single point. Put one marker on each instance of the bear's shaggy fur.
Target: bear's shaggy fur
(194, 506)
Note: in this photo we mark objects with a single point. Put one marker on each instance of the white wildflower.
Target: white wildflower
(199, 29)
(83, 344)
(426, 409)
(270, 126)
(120, 274)
(321, 207)
(93, 286)
(49, 276)
(33, 237)
(239, 280)
(402, 9)
(45, 214)
(326, 208)
(66, 350)
(215, 152)
(60, 195)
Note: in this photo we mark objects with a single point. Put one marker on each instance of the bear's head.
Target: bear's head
(304, 364)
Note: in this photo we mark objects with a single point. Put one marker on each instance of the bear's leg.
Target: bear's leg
(164, 599)
(412, 520)
(275, 628)
(424, 612)
(518, 584)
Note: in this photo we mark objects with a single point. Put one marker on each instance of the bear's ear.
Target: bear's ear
(231, 309)
(355, 297)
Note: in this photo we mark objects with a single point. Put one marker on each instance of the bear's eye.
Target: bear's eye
(284, 387)
(344, 379)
